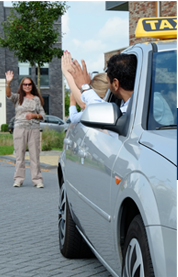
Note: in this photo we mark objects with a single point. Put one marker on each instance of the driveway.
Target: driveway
(29, 243)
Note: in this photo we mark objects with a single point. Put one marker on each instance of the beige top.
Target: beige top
(28, 106)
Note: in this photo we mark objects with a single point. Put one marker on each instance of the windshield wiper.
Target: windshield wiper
(171, 126)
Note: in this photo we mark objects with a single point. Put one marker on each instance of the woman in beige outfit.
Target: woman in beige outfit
(28, 111)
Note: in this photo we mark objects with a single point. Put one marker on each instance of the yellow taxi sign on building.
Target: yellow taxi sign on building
(157, 27)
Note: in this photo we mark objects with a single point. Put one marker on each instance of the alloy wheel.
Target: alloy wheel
(133, 260)
(62, 214)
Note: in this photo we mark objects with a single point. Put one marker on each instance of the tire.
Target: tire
(136, 255)
(71, 243)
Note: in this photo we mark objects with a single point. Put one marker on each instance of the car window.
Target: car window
(60, 122)
(163, 101)
(12, 119)
(53, 120)
(46, 119)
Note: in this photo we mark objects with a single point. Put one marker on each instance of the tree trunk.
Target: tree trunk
(38, 82)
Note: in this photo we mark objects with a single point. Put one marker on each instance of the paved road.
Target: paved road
(29, 234)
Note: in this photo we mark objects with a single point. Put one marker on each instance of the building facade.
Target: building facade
(137, 10)
(51, 78)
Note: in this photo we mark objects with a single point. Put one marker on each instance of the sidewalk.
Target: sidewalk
(48, 159)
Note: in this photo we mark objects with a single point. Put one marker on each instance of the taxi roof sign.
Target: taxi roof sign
(157, 27)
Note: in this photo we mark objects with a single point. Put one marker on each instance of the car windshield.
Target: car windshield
(163, 101)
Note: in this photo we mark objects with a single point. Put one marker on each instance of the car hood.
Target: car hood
(163, 142)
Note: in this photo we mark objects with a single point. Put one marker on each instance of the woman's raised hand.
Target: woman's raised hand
(66, 63)
(9, 76)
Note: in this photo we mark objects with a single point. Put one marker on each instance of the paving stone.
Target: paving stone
(29, 244)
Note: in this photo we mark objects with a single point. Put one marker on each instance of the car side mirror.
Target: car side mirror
(102, 116)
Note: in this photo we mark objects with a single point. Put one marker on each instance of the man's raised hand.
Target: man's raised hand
(81, 76)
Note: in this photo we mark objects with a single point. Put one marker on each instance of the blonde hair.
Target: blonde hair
(100, 84)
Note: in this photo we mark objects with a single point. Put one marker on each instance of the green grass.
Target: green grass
(57, 149)
(6, 144)
(51, 140)
(6, 139)
(6, 150)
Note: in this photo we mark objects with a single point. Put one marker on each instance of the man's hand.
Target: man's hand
(80, 75)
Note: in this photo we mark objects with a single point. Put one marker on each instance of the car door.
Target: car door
(62, 126)
(73, 143)
(53, 123)
(100, 149)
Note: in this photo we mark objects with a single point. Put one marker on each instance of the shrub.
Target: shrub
(52, 139)
(4, 128)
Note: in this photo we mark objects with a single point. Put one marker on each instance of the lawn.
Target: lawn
(6, 144)
(51, 140)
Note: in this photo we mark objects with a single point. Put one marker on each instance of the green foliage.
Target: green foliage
(67, 104)
(52, 139)
(4, 128)
(29, 31)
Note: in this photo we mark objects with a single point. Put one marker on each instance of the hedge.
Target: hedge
(4, 128)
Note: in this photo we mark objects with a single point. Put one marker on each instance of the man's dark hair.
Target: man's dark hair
(123, 68)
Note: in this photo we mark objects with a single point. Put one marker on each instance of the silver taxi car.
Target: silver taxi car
(117, 194)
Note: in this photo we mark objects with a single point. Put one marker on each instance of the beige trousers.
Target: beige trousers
(21, 138)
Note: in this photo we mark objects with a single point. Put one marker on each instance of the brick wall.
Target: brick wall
(142, 9)
(169, 8)
(138, 10)
(108, 55)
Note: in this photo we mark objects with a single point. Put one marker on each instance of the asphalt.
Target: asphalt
(48, 159)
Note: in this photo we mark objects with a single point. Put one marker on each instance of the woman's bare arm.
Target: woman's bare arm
(66, 64)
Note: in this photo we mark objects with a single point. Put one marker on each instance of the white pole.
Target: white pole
(158, 9)
(2, 102)
(63, 97)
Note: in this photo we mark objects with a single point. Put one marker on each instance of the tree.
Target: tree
(29, 31)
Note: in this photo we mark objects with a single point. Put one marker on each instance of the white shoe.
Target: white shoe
(17, 185)
(40, 185)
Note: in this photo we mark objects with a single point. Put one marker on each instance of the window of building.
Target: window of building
(44, 75)
(24, 70)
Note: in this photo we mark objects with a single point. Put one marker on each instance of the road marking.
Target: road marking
(42, 169)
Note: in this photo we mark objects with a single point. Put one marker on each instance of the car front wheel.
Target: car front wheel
(136, 255)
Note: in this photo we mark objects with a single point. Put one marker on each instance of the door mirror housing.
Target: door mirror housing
(102, 116)
(106, 116)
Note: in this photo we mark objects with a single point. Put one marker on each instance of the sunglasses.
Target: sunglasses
(29, 84)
